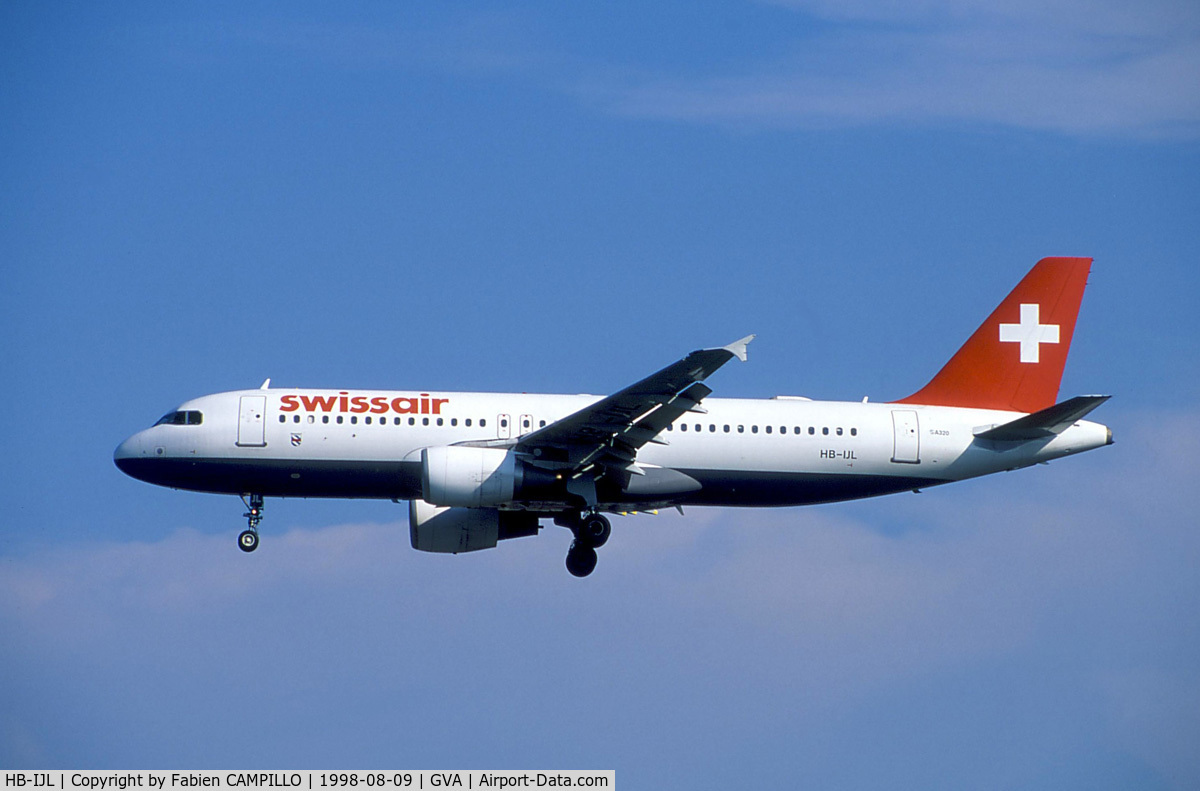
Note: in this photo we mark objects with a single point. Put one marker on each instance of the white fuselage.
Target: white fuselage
(747, 452)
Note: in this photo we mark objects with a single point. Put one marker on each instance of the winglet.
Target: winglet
(738, 348)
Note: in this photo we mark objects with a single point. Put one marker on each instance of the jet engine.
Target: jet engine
(458, 476)
(437, 529)
(467, 477)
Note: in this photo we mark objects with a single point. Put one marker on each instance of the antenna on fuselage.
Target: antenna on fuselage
(266, 385)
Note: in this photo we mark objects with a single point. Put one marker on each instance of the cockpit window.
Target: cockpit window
(189, 418)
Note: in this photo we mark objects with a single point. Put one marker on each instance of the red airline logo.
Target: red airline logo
(422, 404)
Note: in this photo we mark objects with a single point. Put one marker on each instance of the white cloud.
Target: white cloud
(1083, 68)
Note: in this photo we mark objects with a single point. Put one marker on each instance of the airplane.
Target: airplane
(480, 468)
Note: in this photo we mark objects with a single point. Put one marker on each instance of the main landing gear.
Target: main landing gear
(248, 540)
(591, 532)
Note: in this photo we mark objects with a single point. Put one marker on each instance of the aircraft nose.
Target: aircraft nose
(127, 454)
(122, 455)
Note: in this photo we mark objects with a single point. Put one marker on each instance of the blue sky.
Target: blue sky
(563, 198)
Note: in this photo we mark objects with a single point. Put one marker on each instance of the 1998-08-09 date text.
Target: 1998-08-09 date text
(371, 780)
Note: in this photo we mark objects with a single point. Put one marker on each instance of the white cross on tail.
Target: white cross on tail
(1029, 333)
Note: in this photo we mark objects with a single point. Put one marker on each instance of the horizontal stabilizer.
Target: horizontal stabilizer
(1044, 423)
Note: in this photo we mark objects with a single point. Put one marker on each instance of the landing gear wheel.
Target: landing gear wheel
(248, 541)
(581, 559)
(595, 530)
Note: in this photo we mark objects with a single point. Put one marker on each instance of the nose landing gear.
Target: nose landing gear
(591, 531)
(248, 540)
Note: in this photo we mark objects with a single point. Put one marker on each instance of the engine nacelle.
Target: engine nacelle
(437, 529)
(469, 477)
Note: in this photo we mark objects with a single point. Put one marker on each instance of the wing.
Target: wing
(605, 437)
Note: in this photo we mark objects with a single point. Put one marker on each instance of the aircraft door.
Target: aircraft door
(503, 426)
(907, 443)
(252, 424)
(525, 426)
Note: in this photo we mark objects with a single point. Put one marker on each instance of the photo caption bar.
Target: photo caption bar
(313, 780)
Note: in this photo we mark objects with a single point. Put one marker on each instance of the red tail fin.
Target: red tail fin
(1015, 359)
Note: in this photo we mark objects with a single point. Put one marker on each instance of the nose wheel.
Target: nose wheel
(248, 539)
(591, 531)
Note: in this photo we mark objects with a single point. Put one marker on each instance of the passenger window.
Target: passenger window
(726, 428)
(712, 428)
(454, 421)
(839, 431)
(683, 426)
(324, 418)
(768, 429)
(354, 419)
(698, 427)
(541, 424)
(741, 429)
(412, 421)
(796, 430)
(396, 421)
(483, 422)
(467, 422)
(439, 421)
(368, 420)
(812, 430)
(825, 431)
(339, 419)
(295, 418)
(312, 419)
(282, 419)
(754, 429)
(424, 421)
(854, 432)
